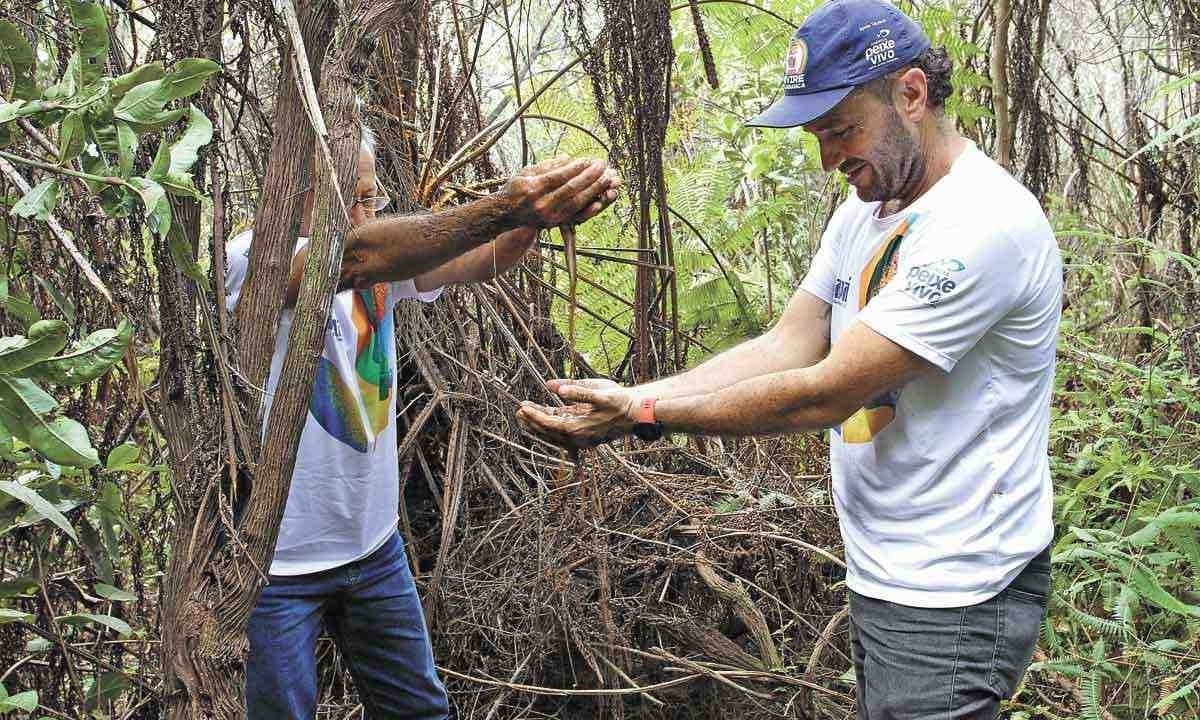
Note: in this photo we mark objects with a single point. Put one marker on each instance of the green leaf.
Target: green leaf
(142, 103)
(87, 360)
(17, 54)
(158, 121)
(109, 621)
(142, 74)
(187, 76)
(60, 301)
(92, 23)
(38, 645)
(18, 352)
(109, 686)
(158, 210)
(8, 615)
(72, 132)
(26, 701)
(43, 506)
(26, 410)
(122, 455)
(16, 587)
(162, 161)
(126, 147)
(108, 592)
(183, 151)
(21, 309)
(39, 201)
(1148, 587)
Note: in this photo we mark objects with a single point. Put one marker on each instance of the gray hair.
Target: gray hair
(367, 138)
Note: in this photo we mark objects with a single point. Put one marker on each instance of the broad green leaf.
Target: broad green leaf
(25, 701)
(87, 360)
(108, 592)
(16, 53)
(109, 686)
(8, 615)
(122, 455)
(158, 210)
(19, 109)
(43, 506)
(1148, 587)
(187, 76)
(141, 74)
(23, 585)
(126, 147)
(183, 151)
(72, 132)
(108, 621)
(92, 24)
(39, 201)
(26, 410)
(95, 548)
(21, 309)
(158, 121)
(18, 352)
(162, 161)
(142, 103)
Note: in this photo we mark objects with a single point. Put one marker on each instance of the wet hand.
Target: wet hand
(561, 190)
(598, 411)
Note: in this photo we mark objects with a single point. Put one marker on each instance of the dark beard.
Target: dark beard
(899, 166)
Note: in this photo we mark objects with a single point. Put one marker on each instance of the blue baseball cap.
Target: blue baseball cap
(843, 44)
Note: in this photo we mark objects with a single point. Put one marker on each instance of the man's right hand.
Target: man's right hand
(559, 191)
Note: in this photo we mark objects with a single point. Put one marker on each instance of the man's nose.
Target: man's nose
(831, 155)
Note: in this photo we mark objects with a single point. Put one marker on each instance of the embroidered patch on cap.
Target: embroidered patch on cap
(793, 68)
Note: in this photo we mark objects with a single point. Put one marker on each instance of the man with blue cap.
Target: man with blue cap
(924, 336)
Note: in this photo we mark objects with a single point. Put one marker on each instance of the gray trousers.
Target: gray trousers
(946, 663)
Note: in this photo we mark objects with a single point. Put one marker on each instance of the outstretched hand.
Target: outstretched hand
(598, 411)
(561, 191)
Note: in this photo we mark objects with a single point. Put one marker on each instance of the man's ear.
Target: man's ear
(910, 93)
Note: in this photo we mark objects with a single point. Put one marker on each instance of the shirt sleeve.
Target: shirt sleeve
(237, 260)
(821, 278)
(407, 290)
(951, 286)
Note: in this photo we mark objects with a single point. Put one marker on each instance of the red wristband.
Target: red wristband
(646, 410)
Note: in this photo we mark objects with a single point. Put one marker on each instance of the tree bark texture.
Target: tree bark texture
(230, 516)
(1002, 16)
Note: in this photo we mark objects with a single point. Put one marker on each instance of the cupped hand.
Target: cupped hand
(598, 411)
(560, 191)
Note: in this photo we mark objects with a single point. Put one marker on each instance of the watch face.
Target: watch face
(648, 431)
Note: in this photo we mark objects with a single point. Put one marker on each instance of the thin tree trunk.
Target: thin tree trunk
(1002, 16)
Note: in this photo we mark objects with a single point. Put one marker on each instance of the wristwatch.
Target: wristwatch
(647, 428)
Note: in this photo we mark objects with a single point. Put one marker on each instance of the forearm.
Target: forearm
(401, 247)
(780, 402)
(482, 263)
(760, 356)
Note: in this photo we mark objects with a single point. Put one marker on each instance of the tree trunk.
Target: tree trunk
(1001, 15)
(230, 514)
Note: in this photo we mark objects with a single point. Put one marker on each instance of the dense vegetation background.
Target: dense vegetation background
(134, 140)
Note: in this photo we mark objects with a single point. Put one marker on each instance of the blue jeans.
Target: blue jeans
(946, 663)
(371, 610)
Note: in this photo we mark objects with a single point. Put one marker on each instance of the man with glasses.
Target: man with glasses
(339, 560)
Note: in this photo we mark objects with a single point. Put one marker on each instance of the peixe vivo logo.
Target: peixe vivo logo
(932, 282)
(793, 66)
(882, 49)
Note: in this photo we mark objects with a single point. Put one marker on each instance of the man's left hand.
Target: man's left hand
(599, 411)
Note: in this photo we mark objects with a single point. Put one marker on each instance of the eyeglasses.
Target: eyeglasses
(374, 204)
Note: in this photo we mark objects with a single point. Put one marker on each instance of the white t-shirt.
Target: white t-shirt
(345, 492)
(943, 487)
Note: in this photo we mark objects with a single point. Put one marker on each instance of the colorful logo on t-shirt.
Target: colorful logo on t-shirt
(877, 414)
(934, 281)
(334, 404)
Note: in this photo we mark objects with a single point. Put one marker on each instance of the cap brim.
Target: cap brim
(792, 110)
